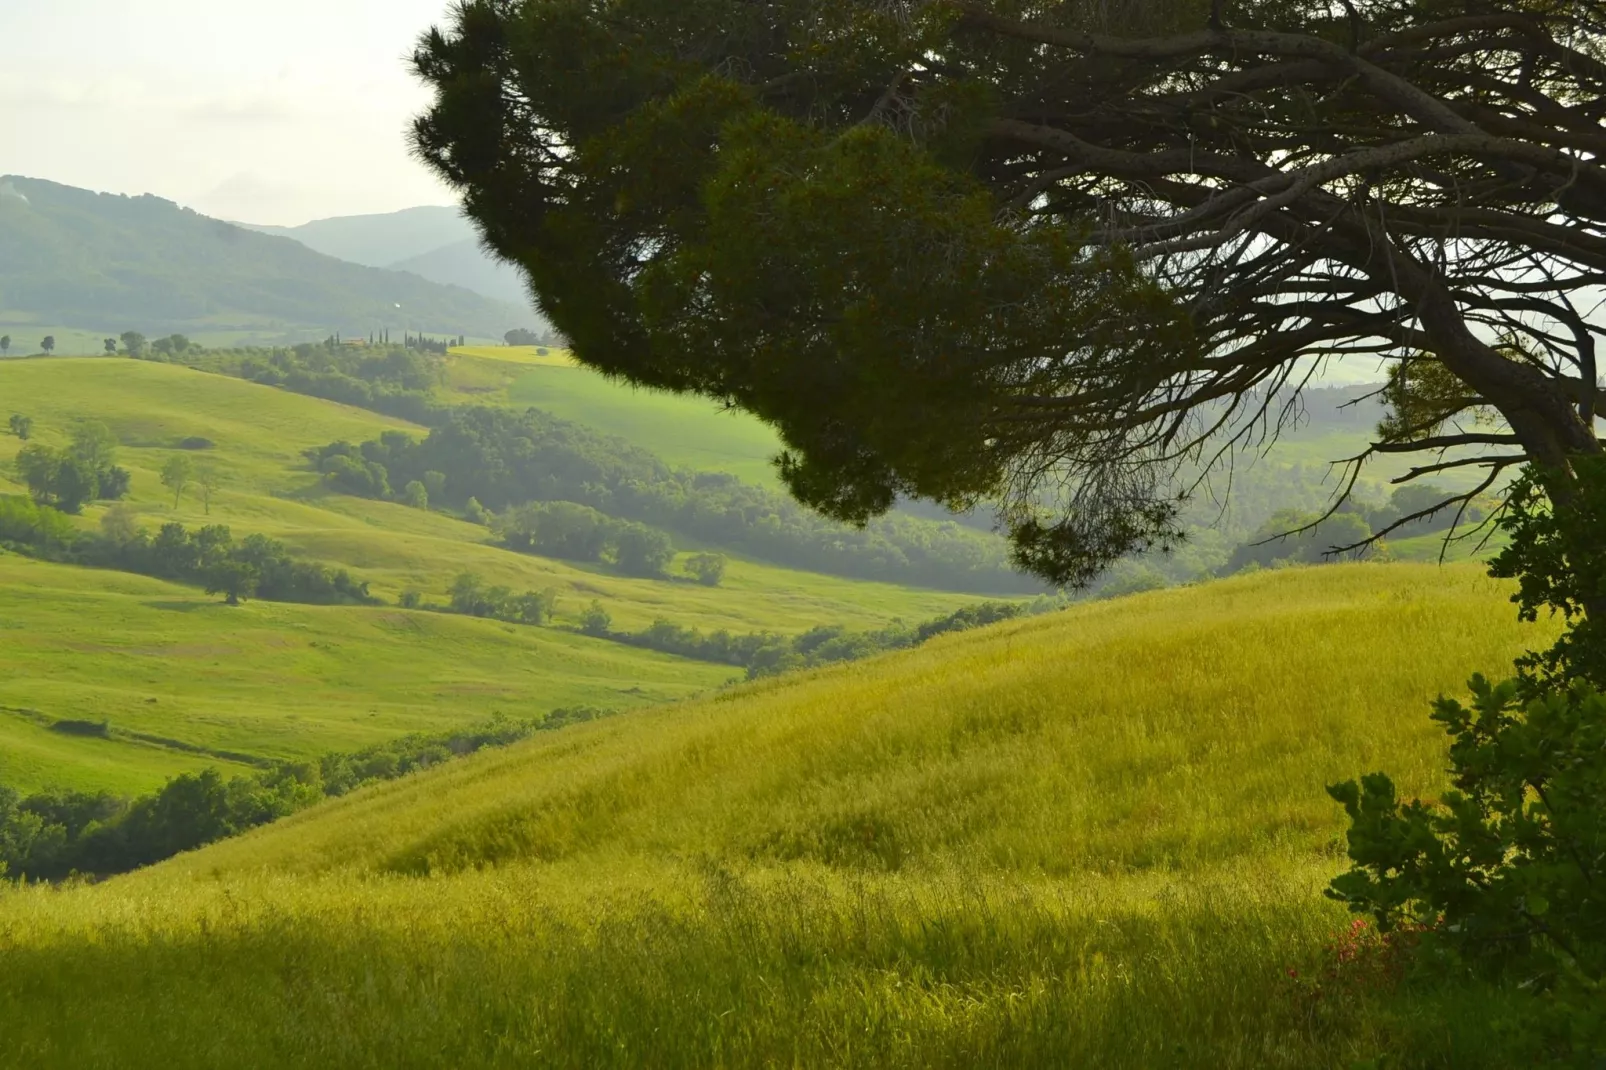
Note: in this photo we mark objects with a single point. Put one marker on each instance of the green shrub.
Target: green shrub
(706, 569)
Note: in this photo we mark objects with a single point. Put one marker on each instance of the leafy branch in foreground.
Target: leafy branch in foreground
(1506, 876)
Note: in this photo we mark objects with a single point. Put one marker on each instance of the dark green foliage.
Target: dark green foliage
(254, 567)
(641, 551)
(1281, 540)
(1558, 557)
(596, 621)
(1426, 503)
(53, 835)
(522, 336)
(768, 654)
(134, 343)
(830, 274)
(1514, 860)
(395, 380)
(21, 426)
(29, 525)
(581, 479)
(706, 569)
(196, 442)
(414, 496)
(1506, 878)
(60, 479)
(48, 345)
(85, 471)
(172, 345)
(1023, 253)
(557, 529)
(5, 344)
(470, 596)
(352, 475)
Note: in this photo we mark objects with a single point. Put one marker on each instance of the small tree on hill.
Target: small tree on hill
(235, 580)
(596, 622)
(642, 551)
(206, 478)
(176, 476)
(5, 344)
(21, 426)
(111, 346)
(48, 344)
(58, 478)
(134, 343)
(706, 569)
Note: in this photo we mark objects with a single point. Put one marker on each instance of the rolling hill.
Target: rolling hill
(379, 240)
(1003, 849)
(271, 680)
(105, 263)
(435, 243)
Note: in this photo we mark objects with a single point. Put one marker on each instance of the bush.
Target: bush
(706, 569)
(556, 529)
(641, 551)
(596, 622)
(1505, 879)
(196, 443)
(30, 524)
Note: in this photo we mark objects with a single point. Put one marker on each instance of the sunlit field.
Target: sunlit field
(266, 485)
(1006, 848)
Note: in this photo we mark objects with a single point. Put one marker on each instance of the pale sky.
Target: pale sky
(276, 112)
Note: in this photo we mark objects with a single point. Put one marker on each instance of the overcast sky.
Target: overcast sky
(263, 112)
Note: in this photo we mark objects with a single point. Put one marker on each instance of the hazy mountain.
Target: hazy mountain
(438, 244)
(74, 258)
(465, 264)
(380, 240)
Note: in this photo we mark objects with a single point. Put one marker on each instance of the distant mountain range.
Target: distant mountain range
(73, 258)
(436, 243)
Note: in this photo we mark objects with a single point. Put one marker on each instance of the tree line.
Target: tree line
(209, 557)
(483, 461)
(761, 654)
(51, 835)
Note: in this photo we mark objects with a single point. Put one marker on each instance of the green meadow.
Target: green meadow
(184, 681)
(689, 432)
(266, 485)
(1005, 848)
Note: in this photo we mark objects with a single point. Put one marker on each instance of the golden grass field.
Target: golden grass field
(1097, 838)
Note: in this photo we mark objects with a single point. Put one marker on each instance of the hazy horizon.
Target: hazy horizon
(223, 109)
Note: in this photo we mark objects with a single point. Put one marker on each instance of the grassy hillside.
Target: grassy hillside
(113, 263)
(1004, 849)
(185, 681)
(690, 432)
(268, 486)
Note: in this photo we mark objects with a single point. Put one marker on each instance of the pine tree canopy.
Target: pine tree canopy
(1052, 256)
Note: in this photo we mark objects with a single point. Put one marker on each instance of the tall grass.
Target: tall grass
(1097, 839)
